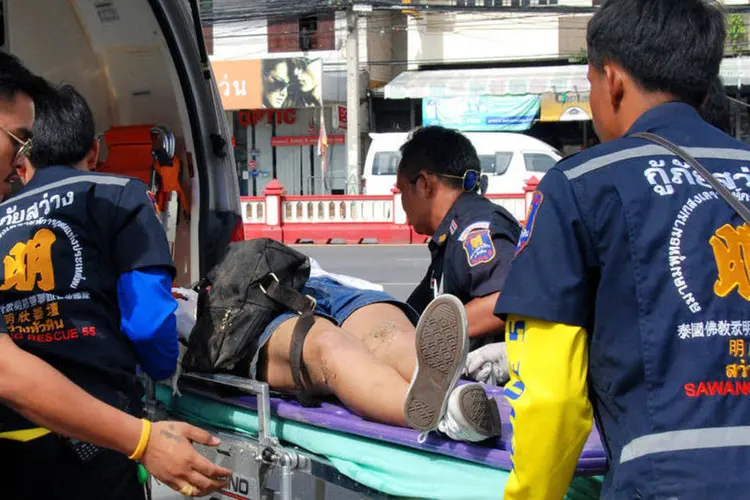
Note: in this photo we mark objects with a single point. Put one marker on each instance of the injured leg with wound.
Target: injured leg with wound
(389, 372)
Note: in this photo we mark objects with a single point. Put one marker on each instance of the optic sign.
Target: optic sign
(285, 116)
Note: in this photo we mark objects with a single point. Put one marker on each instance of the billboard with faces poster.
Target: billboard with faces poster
(291, 82)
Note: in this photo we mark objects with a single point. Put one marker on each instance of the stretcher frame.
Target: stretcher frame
(262, 465)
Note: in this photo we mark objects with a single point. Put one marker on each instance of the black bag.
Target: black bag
(256, 281)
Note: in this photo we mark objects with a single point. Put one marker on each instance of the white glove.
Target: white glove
(488, 364)
(187, 310)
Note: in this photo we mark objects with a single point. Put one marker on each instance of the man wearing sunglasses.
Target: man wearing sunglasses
(472, 239)
(32, 389)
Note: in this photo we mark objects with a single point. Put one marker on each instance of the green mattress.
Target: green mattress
(388, 468)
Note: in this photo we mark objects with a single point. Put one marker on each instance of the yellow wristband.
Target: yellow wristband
(143, 442)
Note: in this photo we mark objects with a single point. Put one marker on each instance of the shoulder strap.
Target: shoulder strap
(286, 295)
(736, 204)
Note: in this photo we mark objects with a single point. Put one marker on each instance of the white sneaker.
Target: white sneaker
(472, 416)
(442, 346)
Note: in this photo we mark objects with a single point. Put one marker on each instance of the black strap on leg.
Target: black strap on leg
(304, 305)
(299, 369)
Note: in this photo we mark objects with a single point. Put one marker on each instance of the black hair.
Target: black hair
(440, 151)
(16, 79)
(715, 108)
(64, 130)
(672, 46)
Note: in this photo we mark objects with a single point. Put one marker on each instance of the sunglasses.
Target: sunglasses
(277, 85)
(24, 146)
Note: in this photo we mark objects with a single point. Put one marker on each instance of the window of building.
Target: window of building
(302, 34)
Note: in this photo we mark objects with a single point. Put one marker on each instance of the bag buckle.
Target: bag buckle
(262, 288)
(312, 301)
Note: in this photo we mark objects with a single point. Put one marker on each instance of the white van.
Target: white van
(509, 159)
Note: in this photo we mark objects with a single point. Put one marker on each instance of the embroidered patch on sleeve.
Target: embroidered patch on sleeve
(479, 247)
(482, 224)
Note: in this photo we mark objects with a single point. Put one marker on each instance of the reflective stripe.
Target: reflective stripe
(693, 439)
(94, 179)
(653, 150)
(24, 434)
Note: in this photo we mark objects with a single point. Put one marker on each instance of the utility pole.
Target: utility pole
(353, 183)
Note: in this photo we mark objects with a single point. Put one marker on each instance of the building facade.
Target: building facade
(485, 70)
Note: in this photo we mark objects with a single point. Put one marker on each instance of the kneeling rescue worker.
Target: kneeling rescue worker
(630, 287)
(472, 239)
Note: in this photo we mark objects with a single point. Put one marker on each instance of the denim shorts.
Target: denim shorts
(335, 302)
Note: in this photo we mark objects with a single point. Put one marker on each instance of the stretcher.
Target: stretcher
(279, 449)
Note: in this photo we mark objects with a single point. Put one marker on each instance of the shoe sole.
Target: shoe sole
(479, 411)
(442, 347)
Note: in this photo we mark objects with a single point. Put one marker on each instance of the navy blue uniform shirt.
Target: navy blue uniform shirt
(470, 253)
(626, 240)
(66, 239)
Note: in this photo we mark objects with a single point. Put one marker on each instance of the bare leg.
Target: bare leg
(339, 364)
(388, 335)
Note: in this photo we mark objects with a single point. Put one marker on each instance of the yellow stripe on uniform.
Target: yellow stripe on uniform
(551, 414)
(24, 434)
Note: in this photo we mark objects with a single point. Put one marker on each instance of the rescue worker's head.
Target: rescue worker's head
(18, 89)
(643, 53)
(437, 166)
(64, 132)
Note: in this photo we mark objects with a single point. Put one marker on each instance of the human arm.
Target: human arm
(551, 414)
(547, 305)
(482, 261)
(147, 317)
(480, 313)
(43, 395)
(145, 271)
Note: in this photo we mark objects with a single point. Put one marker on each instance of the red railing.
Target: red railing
(345, 219)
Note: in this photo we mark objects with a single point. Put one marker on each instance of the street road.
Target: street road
(399, 268)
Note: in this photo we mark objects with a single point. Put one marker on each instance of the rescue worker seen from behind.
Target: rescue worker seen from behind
(472, 238)
(86, 286)
(35, 390)
(629, 289)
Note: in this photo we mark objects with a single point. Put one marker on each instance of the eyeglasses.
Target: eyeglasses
(24, 147)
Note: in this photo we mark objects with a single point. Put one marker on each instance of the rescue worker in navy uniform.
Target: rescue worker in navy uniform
(86, 286)
(34, 389)
(628, 298)
(472, 238)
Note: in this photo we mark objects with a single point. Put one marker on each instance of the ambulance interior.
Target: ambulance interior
(141, 68)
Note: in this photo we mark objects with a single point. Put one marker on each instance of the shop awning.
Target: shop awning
(518, 81)
(490, 81)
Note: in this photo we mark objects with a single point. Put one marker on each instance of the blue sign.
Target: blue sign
(484, 113)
